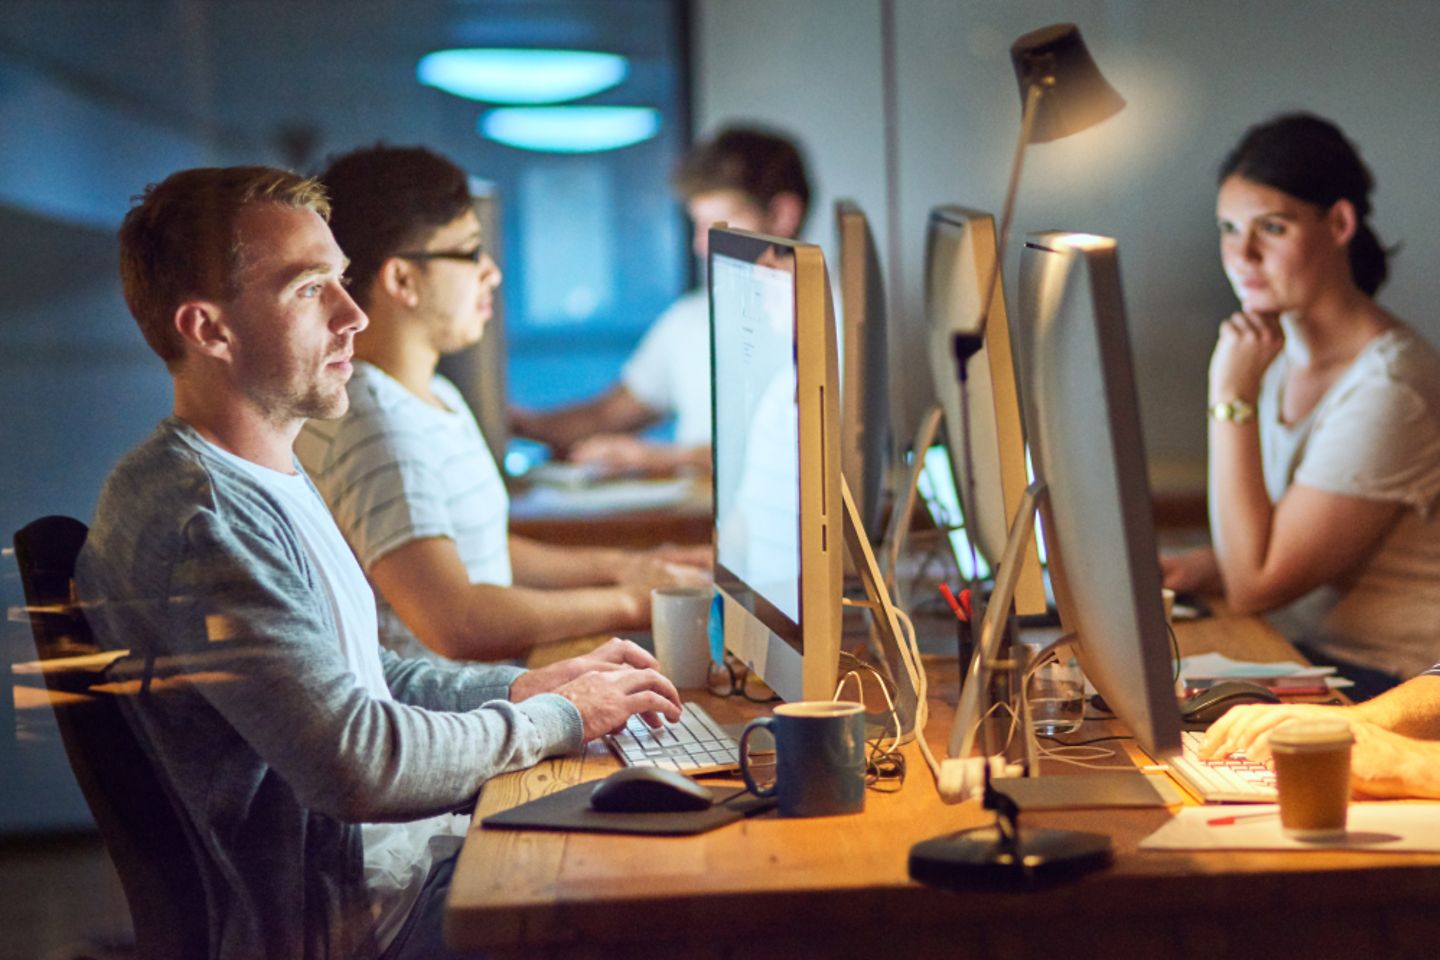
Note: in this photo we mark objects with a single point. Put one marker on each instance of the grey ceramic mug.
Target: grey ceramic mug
(819, 758)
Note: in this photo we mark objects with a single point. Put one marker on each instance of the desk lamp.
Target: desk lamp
(1062, 92)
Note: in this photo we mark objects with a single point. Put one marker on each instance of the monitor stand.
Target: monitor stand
(1057, 792)
(895, 651)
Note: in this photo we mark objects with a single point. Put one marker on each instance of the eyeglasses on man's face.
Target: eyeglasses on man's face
(474, 255)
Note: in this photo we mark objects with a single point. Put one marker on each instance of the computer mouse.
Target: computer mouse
(649, 790)
(1208, 705)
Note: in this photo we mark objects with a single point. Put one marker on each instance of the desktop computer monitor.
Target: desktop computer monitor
(959, 261)
(779, 520)
(1081, 410)
(865, 444)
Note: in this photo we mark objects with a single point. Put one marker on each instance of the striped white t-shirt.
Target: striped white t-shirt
(394, 469)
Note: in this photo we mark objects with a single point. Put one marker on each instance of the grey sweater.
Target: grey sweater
(270, 746)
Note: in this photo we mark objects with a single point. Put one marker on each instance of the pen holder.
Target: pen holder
(965, 644)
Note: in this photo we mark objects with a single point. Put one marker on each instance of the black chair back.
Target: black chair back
(137, 818)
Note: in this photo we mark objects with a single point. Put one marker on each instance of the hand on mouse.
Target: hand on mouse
(1246, 729)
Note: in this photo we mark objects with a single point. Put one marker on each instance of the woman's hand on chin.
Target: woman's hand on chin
(1247, 344)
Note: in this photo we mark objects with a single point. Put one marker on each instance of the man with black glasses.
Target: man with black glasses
(407, 473)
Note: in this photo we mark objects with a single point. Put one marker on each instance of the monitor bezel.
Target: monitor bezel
(796, 659)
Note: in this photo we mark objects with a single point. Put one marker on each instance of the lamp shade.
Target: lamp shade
(1073, 94)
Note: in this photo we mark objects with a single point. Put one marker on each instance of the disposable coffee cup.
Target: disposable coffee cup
(679, 625)
(1312, 776)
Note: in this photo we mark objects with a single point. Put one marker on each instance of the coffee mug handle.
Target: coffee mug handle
(750, 783)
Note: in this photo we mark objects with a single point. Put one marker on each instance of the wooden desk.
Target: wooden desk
(837, 887)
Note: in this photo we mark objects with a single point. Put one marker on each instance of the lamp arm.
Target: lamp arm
(1033, 93)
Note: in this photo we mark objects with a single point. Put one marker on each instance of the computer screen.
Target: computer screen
(865, 440)
(1082, 414)
(778, 512)
(959, 261)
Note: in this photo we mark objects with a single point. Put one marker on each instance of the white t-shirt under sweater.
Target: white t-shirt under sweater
(398, 856)
(1375, 434)
(395, 469)
(670, 369)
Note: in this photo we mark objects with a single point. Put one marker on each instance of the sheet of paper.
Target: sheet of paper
(1385, 827)
(1211, 666)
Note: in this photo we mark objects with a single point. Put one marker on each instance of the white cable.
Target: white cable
(884, 692)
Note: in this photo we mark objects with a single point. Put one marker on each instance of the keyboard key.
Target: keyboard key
(694, 744)
(1231, 779)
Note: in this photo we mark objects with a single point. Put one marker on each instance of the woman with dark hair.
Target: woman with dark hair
(1324, 427)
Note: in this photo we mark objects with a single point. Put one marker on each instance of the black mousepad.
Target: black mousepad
(569, 809)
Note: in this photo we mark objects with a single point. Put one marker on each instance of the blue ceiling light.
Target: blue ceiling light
(570, 129)
(501, 75)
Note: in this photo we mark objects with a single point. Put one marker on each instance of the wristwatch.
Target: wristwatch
(1233, 411)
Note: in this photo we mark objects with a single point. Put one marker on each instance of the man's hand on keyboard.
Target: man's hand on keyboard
(1246, 729)
(607, 699)
(613, 654)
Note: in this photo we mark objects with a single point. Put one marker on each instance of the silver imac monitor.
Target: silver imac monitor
(1081, 411)
(865, 444)
(959, 260)
(779, 536)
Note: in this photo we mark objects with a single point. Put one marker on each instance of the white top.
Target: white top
(395, 469)
(398, 856)
(1376, 435)
(670, 369)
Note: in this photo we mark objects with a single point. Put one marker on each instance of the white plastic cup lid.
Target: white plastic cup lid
(1311, 735)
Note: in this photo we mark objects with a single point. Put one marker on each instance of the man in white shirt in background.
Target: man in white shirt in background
(746, 178)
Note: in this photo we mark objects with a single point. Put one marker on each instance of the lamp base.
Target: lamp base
(980, 859)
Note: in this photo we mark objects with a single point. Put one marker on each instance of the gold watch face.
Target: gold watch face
(1234, 411)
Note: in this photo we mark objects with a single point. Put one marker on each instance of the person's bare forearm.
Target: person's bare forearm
(615, 411)
(1411, 709)
(499, 623)
(537, 564)
(1240, 513)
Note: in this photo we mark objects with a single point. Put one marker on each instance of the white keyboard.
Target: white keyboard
(695, 744)
(1229, 780)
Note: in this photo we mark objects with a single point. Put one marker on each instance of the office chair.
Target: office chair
(145, 838)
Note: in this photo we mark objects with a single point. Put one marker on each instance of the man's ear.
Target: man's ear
(397, 280)
(1343, 221)
(783, 215)
(202, 327)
